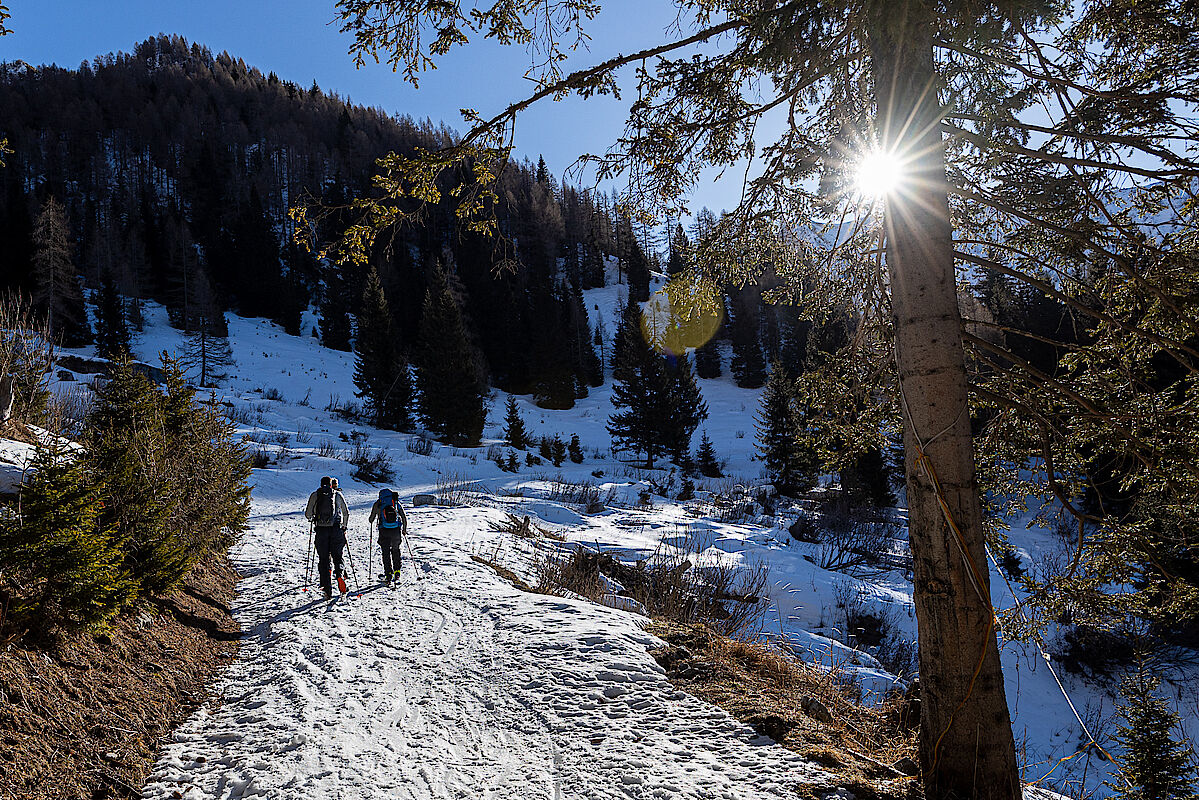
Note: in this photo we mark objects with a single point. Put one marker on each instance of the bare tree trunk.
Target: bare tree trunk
(966, 746)
(6, 398)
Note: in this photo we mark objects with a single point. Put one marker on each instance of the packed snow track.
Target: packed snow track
(454, 684)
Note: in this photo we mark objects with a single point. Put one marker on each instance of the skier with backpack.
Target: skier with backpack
(393, 527)
(329, 514)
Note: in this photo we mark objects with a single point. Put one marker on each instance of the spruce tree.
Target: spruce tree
(748, 366)
(557, 450)
(705, 459)
(58, 295)
(781, 445)
(685, 409)
(65, 564)
(707, 359)
(1155, 765)
(641, 388)
(335, 309)
(449, 377)
(576, 449)
(515, 434)
(379, 373)
(112, 329)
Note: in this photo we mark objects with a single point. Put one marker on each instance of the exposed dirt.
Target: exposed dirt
(82, 721)
(801, 706)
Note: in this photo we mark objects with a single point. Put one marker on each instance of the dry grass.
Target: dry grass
(524, 528)
(504, 573)
(770, 690)
(85, 719)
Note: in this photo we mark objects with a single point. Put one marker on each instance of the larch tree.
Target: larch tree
(58, 295)
(1031, 137)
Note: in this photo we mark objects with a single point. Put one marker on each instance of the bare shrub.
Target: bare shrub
(68, 408)
(272, 394)
(728, 597)
(420, 445)
(328, 449)
(856, 541)
(524, 528)
(582, 493)
(371, 464)
(303, 434)
(873, 629)
(453, 489)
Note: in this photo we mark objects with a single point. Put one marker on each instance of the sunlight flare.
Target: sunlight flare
(879, 175)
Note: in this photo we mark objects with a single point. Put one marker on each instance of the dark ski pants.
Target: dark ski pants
(392, 554)
(329, 541)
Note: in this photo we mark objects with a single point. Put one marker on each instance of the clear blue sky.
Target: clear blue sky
(299, 41)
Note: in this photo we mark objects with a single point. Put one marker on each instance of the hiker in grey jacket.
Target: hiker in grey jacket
(330, 515)
(393, 527)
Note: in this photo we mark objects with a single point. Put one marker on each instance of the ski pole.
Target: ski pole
(412, 558)
(308, 558)
(353, 572)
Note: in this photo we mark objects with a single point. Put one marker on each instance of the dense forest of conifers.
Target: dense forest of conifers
(176, 169)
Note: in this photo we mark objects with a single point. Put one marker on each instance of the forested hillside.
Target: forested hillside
(176, 169)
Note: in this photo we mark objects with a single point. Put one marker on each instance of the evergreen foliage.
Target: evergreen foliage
(686, 409)
(448, 374)
(748, 365)
(172, 475)
(782, 443)
(662, 404)
(575, 450)
(705, 459)
(112, 329)
(557, 450)
(707, 359)
(60, 568)
(515, 434)
(1154, 765)
(379, 372)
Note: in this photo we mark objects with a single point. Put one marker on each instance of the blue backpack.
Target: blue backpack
(389, 510)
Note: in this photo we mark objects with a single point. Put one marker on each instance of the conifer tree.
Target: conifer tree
(557, 450)
(748, 366)
(449, 377)
(641, 388)
(379, 372)
(576, 449)
(58, 294)
(707, 359)
(1155, 765)
(515, 434)
(66, 565)
(112, 329)
(207, 352)
(335, 309)
(685, 409)
(782, 446)
(705, 459)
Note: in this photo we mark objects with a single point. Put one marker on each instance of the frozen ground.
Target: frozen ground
(457, 685)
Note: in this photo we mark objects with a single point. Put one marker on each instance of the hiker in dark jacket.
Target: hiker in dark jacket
(330, 515)
(393, 526)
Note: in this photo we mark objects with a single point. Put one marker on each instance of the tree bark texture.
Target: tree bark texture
(966, 744)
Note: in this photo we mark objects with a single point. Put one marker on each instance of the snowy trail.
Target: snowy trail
(452, 685)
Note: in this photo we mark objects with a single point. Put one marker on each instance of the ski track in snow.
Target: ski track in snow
(454, 684)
